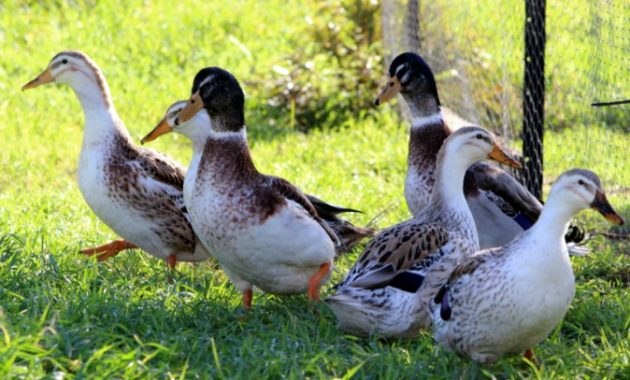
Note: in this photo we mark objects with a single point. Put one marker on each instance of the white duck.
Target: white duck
(265, 231)
(507, 299)
(387, 290)
(501, 206)
(137, 192)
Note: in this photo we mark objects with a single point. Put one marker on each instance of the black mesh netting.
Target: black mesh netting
(489, 57)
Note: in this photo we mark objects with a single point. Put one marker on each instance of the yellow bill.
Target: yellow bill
(601, 204)
(43, 78)
(161, 129)
(499, 155)
(195, 103)
(391, 89)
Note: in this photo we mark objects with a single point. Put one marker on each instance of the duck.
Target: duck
(501, 206)
(386, 292)
(348, 234)
(507, 299)
(262, 228)
(137, 192)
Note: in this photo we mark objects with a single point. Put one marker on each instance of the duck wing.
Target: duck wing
(289, 191)
(393, 252)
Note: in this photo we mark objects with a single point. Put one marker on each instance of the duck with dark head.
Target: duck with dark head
(501, 206)
(265, 231)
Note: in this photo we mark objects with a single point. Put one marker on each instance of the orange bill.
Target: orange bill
(161, 129)
(195, 103)
(43, 78)
(601, 204)
(391, 89)
(499, 155)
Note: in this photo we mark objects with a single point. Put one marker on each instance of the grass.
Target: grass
(63, 315)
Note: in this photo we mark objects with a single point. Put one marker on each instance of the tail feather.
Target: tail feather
(348, 234)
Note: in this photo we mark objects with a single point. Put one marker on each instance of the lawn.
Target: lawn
(64, 315)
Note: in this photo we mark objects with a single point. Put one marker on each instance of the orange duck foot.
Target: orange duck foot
(315, 282)
(108, 250)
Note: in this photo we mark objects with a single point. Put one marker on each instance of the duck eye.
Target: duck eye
(580, 182)
(64, 61)
(479, 136)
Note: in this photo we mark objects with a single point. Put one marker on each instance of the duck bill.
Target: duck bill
(43, 78)
(192, 107)
(601, 204)
(499, 155)
(391, 89)
(161, 129)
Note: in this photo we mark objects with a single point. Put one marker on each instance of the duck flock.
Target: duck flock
(481, 261)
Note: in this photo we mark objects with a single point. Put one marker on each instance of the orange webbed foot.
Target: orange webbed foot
(108, 250)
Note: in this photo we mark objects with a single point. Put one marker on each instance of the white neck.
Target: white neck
(554, 219)
(418, 122)
(101, 119)
(449, 181)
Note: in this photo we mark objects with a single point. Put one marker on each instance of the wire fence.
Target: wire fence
(488, 57)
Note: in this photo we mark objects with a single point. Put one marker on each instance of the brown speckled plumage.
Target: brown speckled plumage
(128, 168)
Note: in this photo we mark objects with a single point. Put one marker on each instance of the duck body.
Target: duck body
(511, 302)
(396, 307)
(117, 180)
(507, 299)
(260, 236)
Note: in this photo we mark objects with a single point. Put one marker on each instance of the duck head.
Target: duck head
(410, 75)
(192, 128)
(579, 189)
(473, 144)
(219, 93)
(69, 67)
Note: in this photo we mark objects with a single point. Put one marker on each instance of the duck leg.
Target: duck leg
(108, 250)
(315, 282)
(171, 261)
(247, 299)
(529, 355)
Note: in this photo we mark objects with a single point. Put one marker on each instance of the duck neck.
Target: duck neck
(449, 184)
(426, 136)
(101, 120)
(554, 219)
(448, 194)
(225, 157)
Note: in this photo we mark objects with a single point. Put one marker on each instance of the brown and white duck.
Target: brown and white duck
(507, 299)
(349, 234)
(135, 191)
(387, 290)
(501, 206)
(264, 231)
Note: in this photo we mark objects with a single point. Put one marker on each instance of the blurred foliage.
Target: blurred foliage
(334, 75)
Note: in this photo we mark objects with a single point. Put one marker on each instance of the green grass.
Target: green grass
(63, 314)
